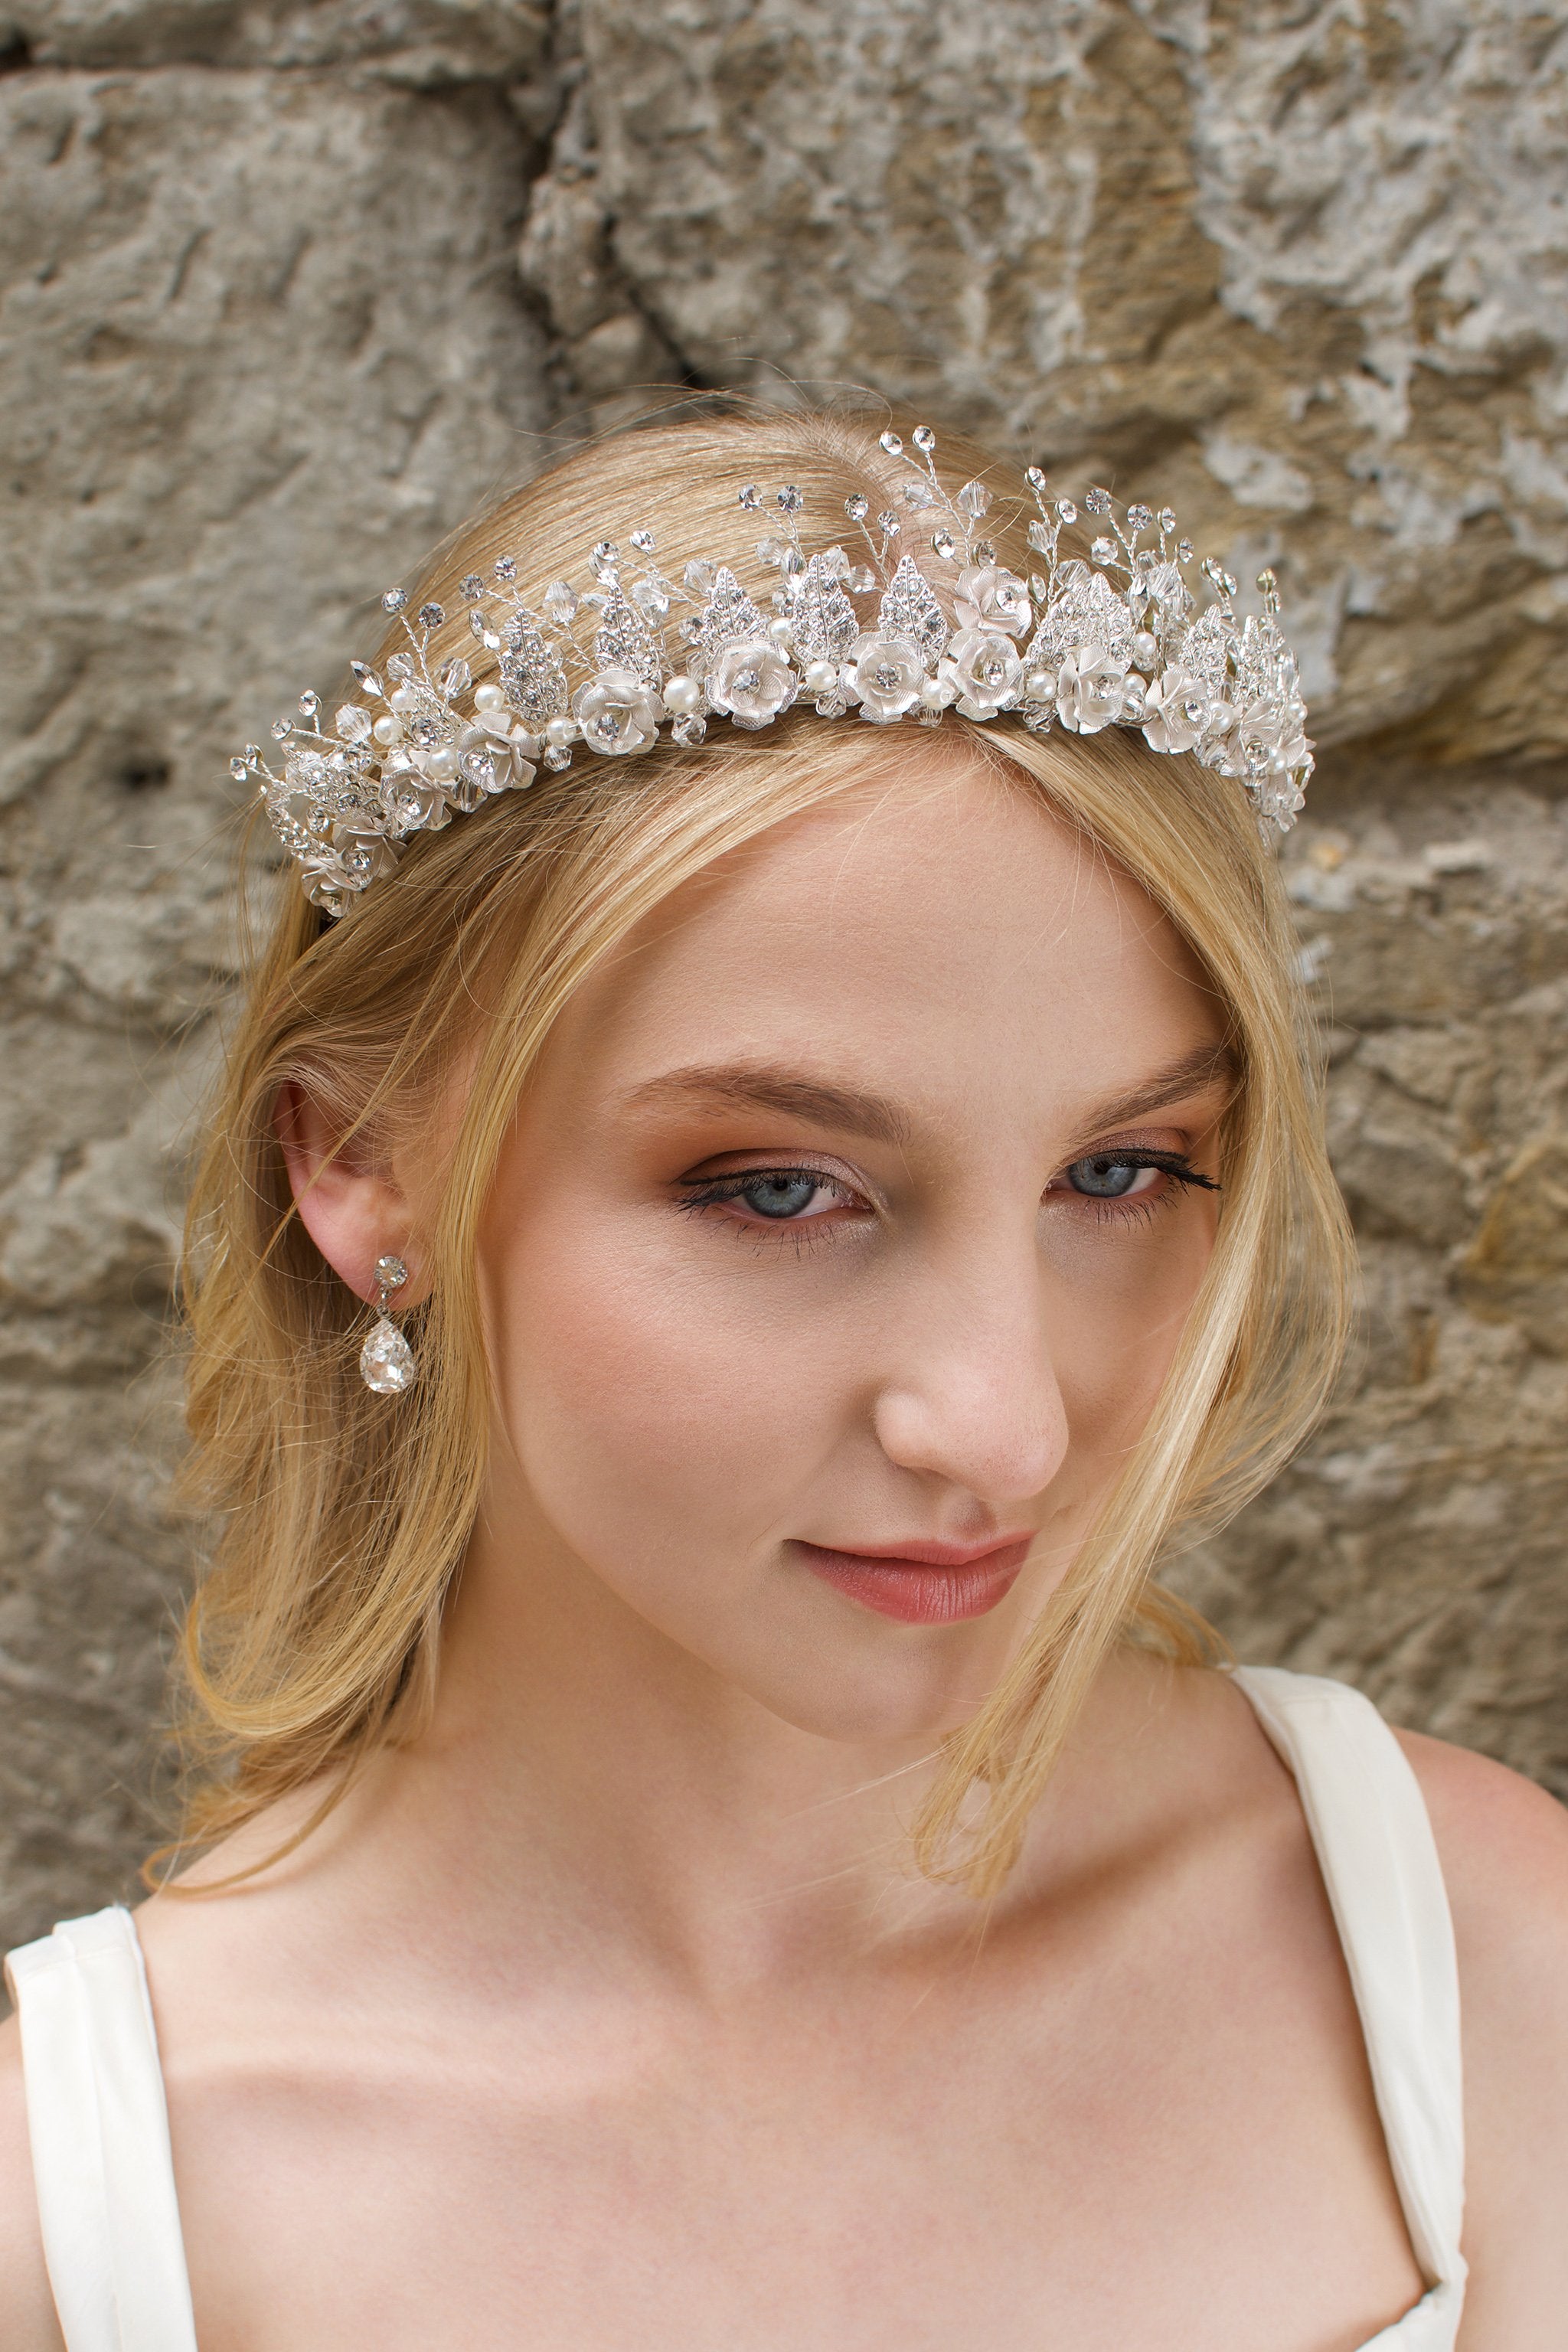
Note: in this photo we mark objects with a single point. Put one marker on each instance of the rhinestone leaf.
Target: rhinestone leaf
(729, 615)
(825, 623)
(624, 641)
(909, 609)
(531, 673)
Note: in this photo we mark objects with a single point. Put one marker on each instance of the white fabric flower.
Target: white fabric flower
(413, 804)
(1090, 689)
(617, 713)
(752, 682)
(884, 676)
(987, 597)
(1174, 710)
(983, 669)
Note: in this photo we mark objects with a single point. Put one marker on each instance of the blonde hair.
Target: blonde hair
(314, 1634)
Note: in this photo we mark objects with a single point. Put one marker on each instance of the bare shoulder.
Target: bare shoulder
(1503, 1844)
(26, 2308)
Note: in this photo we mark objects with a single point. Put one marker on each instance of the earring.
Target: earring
(386, 1361)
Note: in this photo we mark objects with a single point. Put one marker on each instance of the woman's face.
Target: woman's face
(842, 1244)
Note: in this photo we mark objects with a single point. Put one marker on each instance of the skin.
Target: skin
(610, 2013)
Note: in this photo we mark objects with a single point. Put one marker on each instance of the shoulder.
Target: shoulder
(1503, 1845)
(28, 2321)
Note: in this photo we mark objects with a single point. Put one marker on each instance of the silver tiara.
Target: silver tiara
(1114, 642)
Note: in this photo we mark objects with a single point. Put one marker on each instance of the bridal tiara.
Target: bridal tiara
(1116, 641)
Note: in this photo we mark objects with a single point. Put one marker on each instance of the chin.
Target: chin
(894, 1702)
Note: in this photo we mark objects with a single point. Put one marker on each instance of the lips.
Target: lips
(921, 1583)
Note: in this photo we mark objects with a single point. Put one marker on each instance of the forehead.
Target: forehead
(933, 933)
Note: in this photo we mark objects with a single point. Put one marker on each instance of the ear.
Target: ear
(349, 1202)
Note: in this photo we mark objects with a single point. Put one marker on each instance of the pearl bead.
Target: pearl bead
(441, 764)
(1038, 686)
(934, 695)
(821, 676)
(560, 733)
(388, 730)
(489, 697)
(782, 631)
(403, 697)
(682, 697)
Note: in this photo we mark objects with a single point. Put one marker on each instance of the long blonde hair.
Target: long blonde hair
(314, 1635)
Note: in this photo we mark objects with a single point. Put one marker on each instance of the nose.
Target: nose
(973, 1395)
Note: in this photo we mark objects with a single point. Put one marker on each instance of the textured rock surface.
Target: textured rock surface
(263, 344)
(1417, 1548)
(288, 288)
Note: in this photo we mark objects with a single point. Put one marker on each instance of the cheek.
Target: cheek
(1117, 1306)
(653, 1410)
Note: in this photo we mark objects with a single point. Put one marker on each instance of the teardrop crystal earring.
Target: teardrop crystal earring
(386, 1361)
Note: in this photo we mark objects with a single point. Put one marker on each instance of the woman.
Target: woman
(708, 1833)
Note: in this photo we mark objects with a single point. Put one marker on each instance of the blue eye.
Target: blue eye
(779, 1192)
(1107, 1178)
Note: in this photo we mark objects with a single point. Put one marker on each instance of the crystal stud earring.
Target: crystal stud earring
(386, 1361)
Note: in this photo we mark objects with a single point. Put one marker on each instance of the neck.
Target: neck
(647, 1787)
(580, 1766)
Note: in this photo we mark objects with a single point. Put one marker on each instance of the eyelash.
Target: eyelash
(718, 1189)
(1174, 1164)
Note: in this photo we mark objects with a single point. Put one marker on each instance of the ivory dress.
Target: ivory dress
(99, 2128)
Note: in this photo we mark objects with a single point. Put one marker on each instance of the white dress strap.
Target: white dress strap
(99, 2134)
(1374, 1845)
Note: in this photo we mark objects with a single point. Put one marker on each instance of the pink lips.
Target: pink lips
(923, 1583)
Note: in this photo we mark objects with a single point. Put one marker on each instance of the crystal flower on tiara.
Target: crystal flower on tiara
(1116, 641)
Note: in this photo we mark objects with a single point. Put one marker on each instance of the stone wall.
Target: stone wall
(288, 288)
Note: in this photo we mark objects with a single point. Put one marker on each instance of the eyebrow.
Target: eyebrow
(1196, 1072)
(853, 1110)
(764, 1085)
